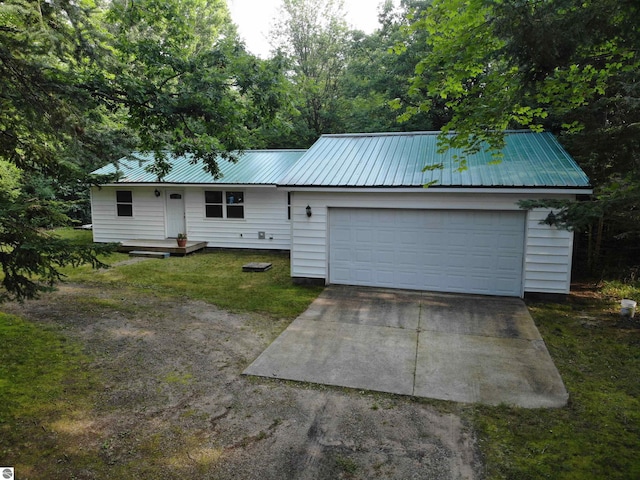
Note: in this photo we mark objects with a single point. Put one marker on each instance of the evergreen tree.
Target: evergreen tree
(85, 84)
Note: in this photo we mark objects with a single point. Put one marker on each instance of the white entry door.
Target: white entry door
(175, 213)
(441, 250)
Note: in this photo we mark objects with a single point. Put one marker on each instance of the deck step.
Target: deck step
(148, 254)
(256, 267)
(168, 245)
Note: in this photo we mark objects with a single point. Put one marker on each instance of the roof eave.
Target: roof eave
(565, 190)
(178, 184)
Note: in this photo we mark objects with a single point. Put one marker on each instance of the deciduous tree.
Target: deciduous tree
(566, 66)
(84, 84)
(313, 36)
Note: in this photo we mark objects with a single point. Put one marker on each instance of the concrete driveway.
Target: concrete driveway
(462, 348)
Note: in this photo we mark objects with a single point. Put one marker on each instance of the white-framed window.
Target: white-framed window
(224, 204)
(124, 203)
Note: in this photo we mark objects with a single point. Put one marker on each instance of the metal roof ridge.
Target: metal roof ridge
(380, 134)
(275, 150)
(421, 132)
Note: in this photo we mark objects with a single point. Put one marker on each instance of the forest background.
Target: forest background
(85, 83)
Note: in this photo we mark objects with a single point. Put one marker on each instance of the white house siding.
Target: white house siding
(147, 221)
(265, 210)
(547, 250)
(548, 256)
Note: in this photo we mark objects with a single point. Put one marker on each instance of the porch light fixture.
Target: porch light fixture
(308, 211)
(156, 192)
(551, 219)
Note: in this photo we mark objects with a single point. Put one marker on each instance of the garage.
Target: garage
(465, 251)
(361, 215)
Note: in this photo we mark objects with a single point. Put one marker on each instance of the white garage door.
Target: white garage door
(440, 250)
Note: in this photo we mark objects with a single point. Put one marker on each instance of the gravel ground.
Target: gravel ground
(172, 402)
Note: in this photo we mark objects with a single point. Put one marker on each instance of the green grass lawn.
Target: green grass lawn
(596, 436)
(214, 277)
(43, 379)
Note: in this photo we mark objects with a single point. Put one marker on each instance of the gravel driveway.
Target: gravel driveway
(171, 402)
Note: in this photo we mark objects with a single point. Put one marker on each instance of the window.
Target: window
(235, 204)
(288, 205)
(220, 204)
(124, 203)
(213, 204)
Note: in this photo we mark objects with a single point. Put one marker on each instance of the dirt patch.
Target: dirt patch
(172, 403)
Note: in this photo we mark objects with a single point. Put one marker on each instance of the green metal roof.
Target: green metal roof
(397, 160)
(254, 167)
(372, 160)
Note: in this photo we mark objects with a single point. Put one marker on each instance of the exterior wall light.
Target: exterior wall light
(551, 219)
(308, 211)
(156, 192)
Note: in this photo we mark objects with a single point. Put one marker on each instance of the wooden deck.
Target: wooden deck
(168, 245)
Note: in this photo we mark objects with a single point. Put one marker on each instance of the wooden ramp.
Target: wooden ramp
(169, 245)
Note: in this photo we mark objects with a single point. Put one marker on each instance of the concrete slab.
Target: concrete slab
(488, 370)
(461, 348)
(256, 267)
(373, 306)
(342, 354)
(477, 315)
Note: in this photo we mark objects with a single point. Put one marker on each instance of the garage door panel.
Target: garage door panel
(361, 217)
(386, 237)
(507, 263)
(455, 239)
(455, 259)
(460, 282)
(341, 275)
(484, 240)
(457, 223)
(385, 276)
(364, 256)
(340, 255)
(341, 235)
(510, 242)
(432, 238)
(440, 250)
(503, 286)
(364, 275)
(431, 261)
(406, 260)
(481, 262)
(431, 280)
(410, 239)
(385, 258)
(362, 235)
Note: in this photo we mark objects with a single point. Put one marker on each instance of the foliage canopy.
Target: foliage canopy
(85, 84)
(560, 65)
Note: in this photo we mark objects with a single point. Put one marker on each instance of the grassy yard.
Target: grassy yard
(43, 378)
(596, 436)
(212, 277)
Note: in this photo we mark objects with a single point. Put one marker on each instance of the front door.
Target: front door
(175, 213)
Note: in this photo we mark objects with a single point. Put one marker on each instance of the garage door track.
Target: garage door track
(462, 348)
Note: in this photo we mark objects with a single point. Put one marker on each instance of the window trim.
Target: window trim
(224, 205)
(122, 203)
